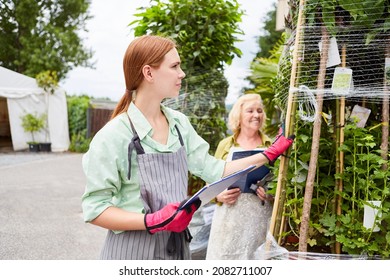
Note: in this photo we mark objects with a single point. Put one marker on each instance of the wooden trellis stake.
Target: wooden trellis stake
(275, 223)
(304, 227)
(340, 121)
(385, 113)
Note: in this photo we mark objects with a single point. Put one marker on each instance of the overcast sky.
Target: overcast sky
(109, 36)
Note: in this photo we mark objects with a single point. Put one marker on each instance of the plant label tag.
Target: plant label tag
(361, 115)
(333, 53)
(371, 214)
(342, 81)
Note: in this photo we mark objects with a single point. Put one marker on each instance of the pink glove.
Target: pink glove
(278, 147)
(171, 218)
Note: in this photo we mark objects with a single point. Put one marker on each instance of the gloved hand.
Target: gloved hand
(278, 147)
(171, 217)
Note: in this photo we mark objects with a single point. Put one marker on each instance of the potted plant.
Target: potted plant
(48, 81)
(32, 124)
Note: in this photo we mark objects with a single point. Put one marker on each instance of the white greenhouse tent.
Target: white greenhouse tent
(23, 96)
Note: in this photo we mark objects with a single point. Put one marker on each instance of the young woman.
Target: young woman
(137, 164)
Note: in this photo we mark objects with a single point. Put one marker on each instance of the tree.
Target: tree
(33, 123)
(40, 35)
(48, 81)
(205, 32)
(264, 70)
(270, 37)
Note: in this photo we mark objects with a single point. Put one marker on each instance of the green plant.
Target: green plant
(79, 143)
(370, 17)
(323, 196)
(77, 118)
(364, 179)
(335, 221)
(48, 81)
(33, 123)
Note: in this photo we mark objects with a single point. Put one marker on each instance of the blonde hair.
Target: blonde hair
(236, 111)
(144, 50)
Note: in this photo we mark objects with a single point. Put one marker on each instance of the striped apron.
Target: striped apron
(163, 178)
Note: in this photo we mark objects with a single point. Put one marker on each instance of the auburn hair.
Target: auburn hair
(145, 50)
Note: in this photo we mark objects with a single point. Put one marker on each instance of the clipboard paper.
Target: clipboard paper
(210, 191)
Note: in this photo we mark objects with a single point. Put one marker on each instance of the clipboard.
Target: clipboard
(210, 191)
(252, 177)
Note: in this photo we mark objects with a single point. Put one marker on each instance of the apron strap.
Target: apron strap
(134, 143)
(180, 138)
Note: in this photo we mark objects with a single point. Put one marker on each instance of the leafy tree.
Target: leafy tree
(40, 35)
(264, 70)
(205, 32)
(270, 36)
(48, 81)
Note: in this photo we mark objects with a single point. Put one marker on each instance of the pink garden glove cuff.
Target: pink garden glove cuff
(280, 145)
(171, 218)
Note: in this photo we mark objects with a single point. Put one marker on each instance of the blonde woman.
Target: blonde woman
(240, 220)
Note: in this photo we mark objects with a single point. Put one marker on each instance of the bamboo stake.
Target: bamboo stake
(304, 228)
(290, 115)
(385, 115)
(282, 225)
(340, 155)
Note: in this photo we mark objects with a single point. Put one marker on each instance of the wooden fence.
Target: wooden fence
(96, 119)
